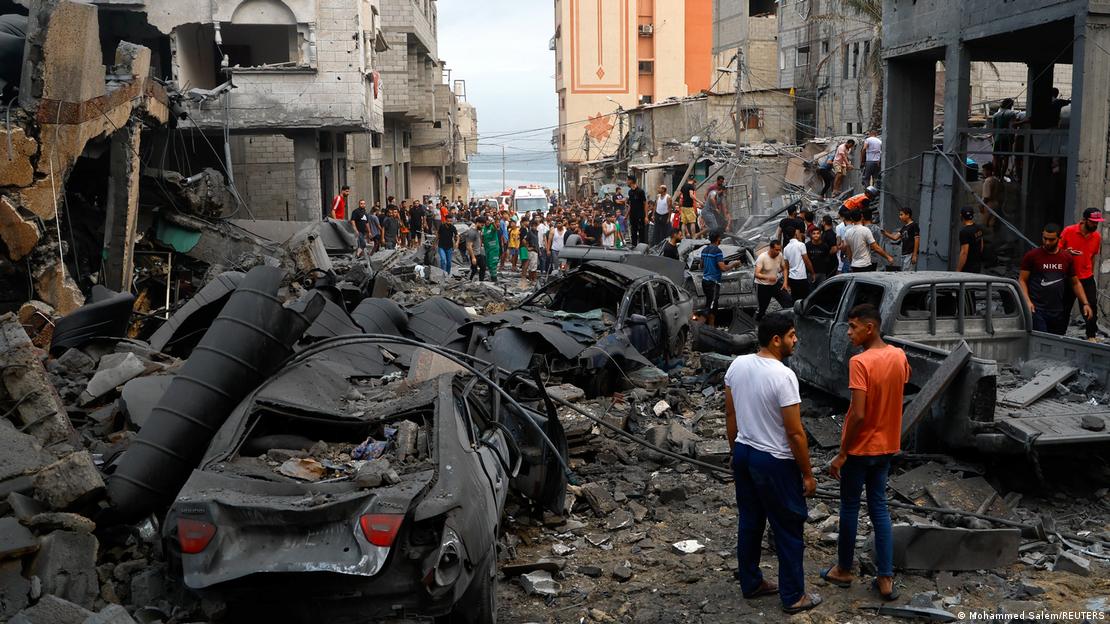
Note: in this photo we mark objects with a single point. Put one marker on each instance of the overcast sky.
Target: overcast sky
(500, 48)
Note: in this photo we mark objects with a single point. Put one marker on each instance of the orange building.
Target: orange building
(614, 55)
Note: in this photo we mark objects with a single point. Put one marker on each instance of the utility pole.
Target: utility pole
(503, 167)
(739, 80)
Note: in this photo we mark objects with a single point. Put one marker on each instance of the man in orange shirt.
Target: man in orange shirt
(872, 434)
(1083, 241)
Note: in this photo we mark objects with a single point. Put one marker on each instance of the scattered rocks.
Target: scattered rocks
(14, 589)
(1071, 562)
(688, 547)
(114, 370)
(599, 498)
(539, 583)
(53, 610)
(66, 563)
(15, 540)
(60, 521)
(69, 482)
(622, 572)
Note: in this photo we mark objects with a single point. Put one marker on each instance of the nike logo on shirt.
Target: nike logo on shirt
(1057, 281)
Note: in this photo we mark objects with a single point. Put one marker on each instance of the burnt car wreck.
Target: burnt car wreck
(590, 327)
(373, 472)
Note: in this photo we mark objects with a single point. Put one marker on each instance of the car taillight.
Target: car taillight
(380, 529)
(194, 535)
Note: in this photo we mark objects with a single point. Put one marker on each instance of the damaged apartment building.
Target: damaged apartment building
(138, 132)
(306, 96)
(1058, 152)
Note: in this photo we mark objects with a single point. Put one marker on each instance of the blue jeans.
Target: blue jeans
(769, 489)
(445, 259)
(869, 470)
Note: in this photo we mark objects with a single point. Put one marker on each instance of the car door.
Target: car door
(642, 324)
(814, 326)
(840, 347)
(736, 284)
(670, 314)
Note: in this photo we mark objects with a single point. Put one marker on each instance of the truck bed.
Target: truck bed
(1053, 422)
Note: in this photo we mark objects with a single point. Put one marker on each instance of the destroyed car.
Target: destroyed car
(956, 329)
(591, 326)
(737, 285)
(365, 480)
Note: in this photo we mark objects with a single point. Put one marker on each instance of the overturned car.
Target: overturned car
(366, 480)
(591, 326)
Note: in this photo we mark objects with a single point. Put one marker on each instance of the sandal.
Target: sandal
(812, 600)
(834, 581)
(893, 595)
(765, 589)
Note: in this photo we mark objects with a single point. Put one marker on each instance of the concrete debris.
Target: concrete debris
(25, 382)
(70, 482)
(15, 540)
(1071, 562)
(540, 583)
(111, 614)
(943, 548)
(53, 610)
(66, 563)
(114, 370)
(688, 547)
(14, 589)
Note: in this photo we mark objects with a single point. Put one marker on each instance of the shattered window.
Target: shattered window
(867, 293)
(825, 302)
(579, 294)
(1003, 301)
(663, 296)
(917, 303)
(640, 302)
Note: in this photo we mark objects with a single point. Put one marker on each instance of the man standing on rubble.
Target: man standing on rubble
(1083, 242)
(339, 204)
(637, 215)
(445, 243)
(713, 265)
(472, 238)
(1048, 272)
(360, 221)
(770, 283)
(375, 225)
(971, 243)
(770, 464)
(491, 242)
(872, 435)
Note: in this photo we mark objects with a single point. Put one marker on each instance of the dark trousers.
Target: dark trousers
(478, 269)
(865, 269)
(764, 294)
(826, 176)
(871, 170)
(1092, 298)
(637, 228)
(799, 289)
(860, 471)
(662, 228)
(1053, 322)
(769, 489)
(712, 292)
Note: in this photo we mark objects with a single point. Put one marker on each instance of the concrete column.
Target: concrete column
(123, 209)
(1037, 205)
(944, 220)
(1090, 122)
(1090, 110)
(907, 132)
(306, 169)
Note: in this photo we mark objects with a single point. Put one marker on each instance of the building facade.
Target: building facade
(299, 97)
(614, 56)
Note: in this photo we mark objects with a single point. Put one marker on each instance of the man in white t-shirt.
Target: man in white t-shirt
(870, 161)
(541, 236)
(860, 242)
(770, 463)
(801, 271)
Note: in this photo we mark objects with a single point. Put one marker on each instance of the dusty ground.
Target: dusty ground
(658, 505)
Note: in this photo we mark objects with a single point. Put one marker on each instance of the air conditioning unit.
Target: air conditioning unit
(647, 30)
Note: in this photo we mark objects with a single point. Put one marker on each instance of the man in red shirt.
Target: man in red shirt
(871, 436)
(1047, 274)
(339, 204)
(1083, 241)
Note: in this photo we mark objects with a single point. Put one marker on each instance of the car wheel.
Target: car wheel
(478, 604)
(680, 343)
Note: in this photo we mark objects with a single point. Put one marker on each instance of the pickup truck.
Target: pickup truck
(928, 314)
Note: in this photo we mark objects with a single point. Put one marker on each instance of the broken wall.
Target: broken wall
(66, 102)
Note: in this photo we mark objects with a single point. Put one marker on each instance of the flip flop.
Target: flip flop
(813, 599)
(765, 589)
(834, 581)
(893, 595)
